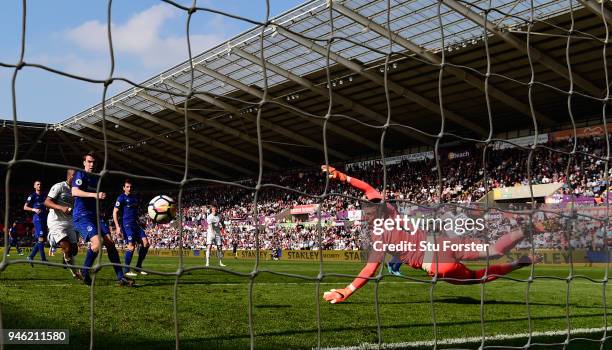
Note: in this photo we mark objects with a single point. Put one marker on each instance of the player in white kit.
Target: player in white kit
(59, 221)
(213, 236)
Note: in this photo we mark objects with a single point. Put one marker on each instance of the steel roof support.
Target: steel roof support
(178, 145)
(78, 152)
(345, 101)
(393, 86)
(259, 94)
(200, 138)
(117, 155)
(536, 55)
(70, 144)
(226, 129)
(62, 153)
(270, 125)
(152, 149)
(35, 143)
(596, 8)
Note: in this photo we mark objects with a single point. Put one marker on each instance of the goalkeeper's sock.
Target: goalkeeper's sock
(41, 250)
(128, 260)
(89, 260)
(113, 256)
(142, 253)
(34, 251)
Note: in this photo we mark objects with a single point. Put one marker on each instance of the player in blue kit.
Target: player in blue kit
(36, 204)
(128, 204)
(394, 266)
(84, 190)
(13, 240)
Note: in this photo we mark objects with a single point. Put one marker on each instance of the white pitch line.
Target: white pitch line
(415, 344)
(459, 341)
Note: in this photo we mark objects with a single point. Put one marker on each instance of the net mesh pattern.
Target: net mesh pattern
(387, 50)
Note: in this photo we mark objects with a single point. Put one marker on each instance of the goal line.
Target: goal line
(466, 340)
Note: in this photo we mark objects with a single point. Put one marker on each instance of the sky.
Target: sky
(70, 35)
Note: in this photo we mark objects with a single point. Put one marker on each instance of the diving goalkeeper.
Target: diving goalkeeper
(445, 263)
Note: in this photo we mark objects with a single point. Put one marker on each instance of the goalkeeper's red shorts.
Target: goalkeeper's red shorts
(454, 270)
(457, 273)
(448, 262)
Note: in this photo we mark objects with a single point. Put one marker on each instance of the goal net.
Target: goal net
(451, 110)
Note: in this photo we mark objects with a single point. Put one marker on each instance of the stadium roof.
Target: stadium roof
(146, 125)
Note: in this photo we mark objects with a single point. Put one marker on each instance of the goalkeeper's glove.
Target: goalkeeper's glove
(335, 296)
(333, 173)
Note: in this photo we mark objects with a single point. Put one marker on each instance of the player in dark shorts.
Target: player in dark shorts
(85, 220)
(128, 204)
(13, 240)
(36, 204)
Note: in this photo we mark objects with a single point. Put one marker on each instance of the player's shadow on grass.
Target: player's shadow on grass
(373, 328)
(472, 301)
(162, 283)
(31, 279)
(272, 306)
(212, 280)
(79, 338)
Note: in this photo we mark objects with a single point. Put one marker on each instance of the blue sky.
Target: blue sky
(69, 35)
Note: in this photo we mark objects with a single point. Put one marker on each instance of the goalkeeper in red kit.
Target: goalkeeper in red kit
(445, 263)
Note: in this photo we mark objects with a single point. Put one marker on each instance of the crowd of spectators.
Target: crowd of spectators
(459, 180)
(451, 179)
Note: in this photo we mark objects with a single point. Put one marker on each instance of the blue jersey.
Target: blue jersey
(128, 204)
(37, 201)
(13, 232)
(84, 207)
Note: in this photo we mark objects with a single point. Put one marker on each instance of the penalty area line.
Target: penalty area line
(465, 340)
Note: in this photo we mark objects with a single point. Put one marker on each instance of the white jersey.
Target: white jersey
(214, 223)
(214, 230)
(61, 194)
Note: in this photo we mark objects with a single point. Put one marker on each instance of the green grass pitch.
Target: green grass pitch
(213, 307)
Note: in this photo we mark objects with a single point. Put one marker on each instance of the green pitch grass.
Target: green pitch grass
(213, 307)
